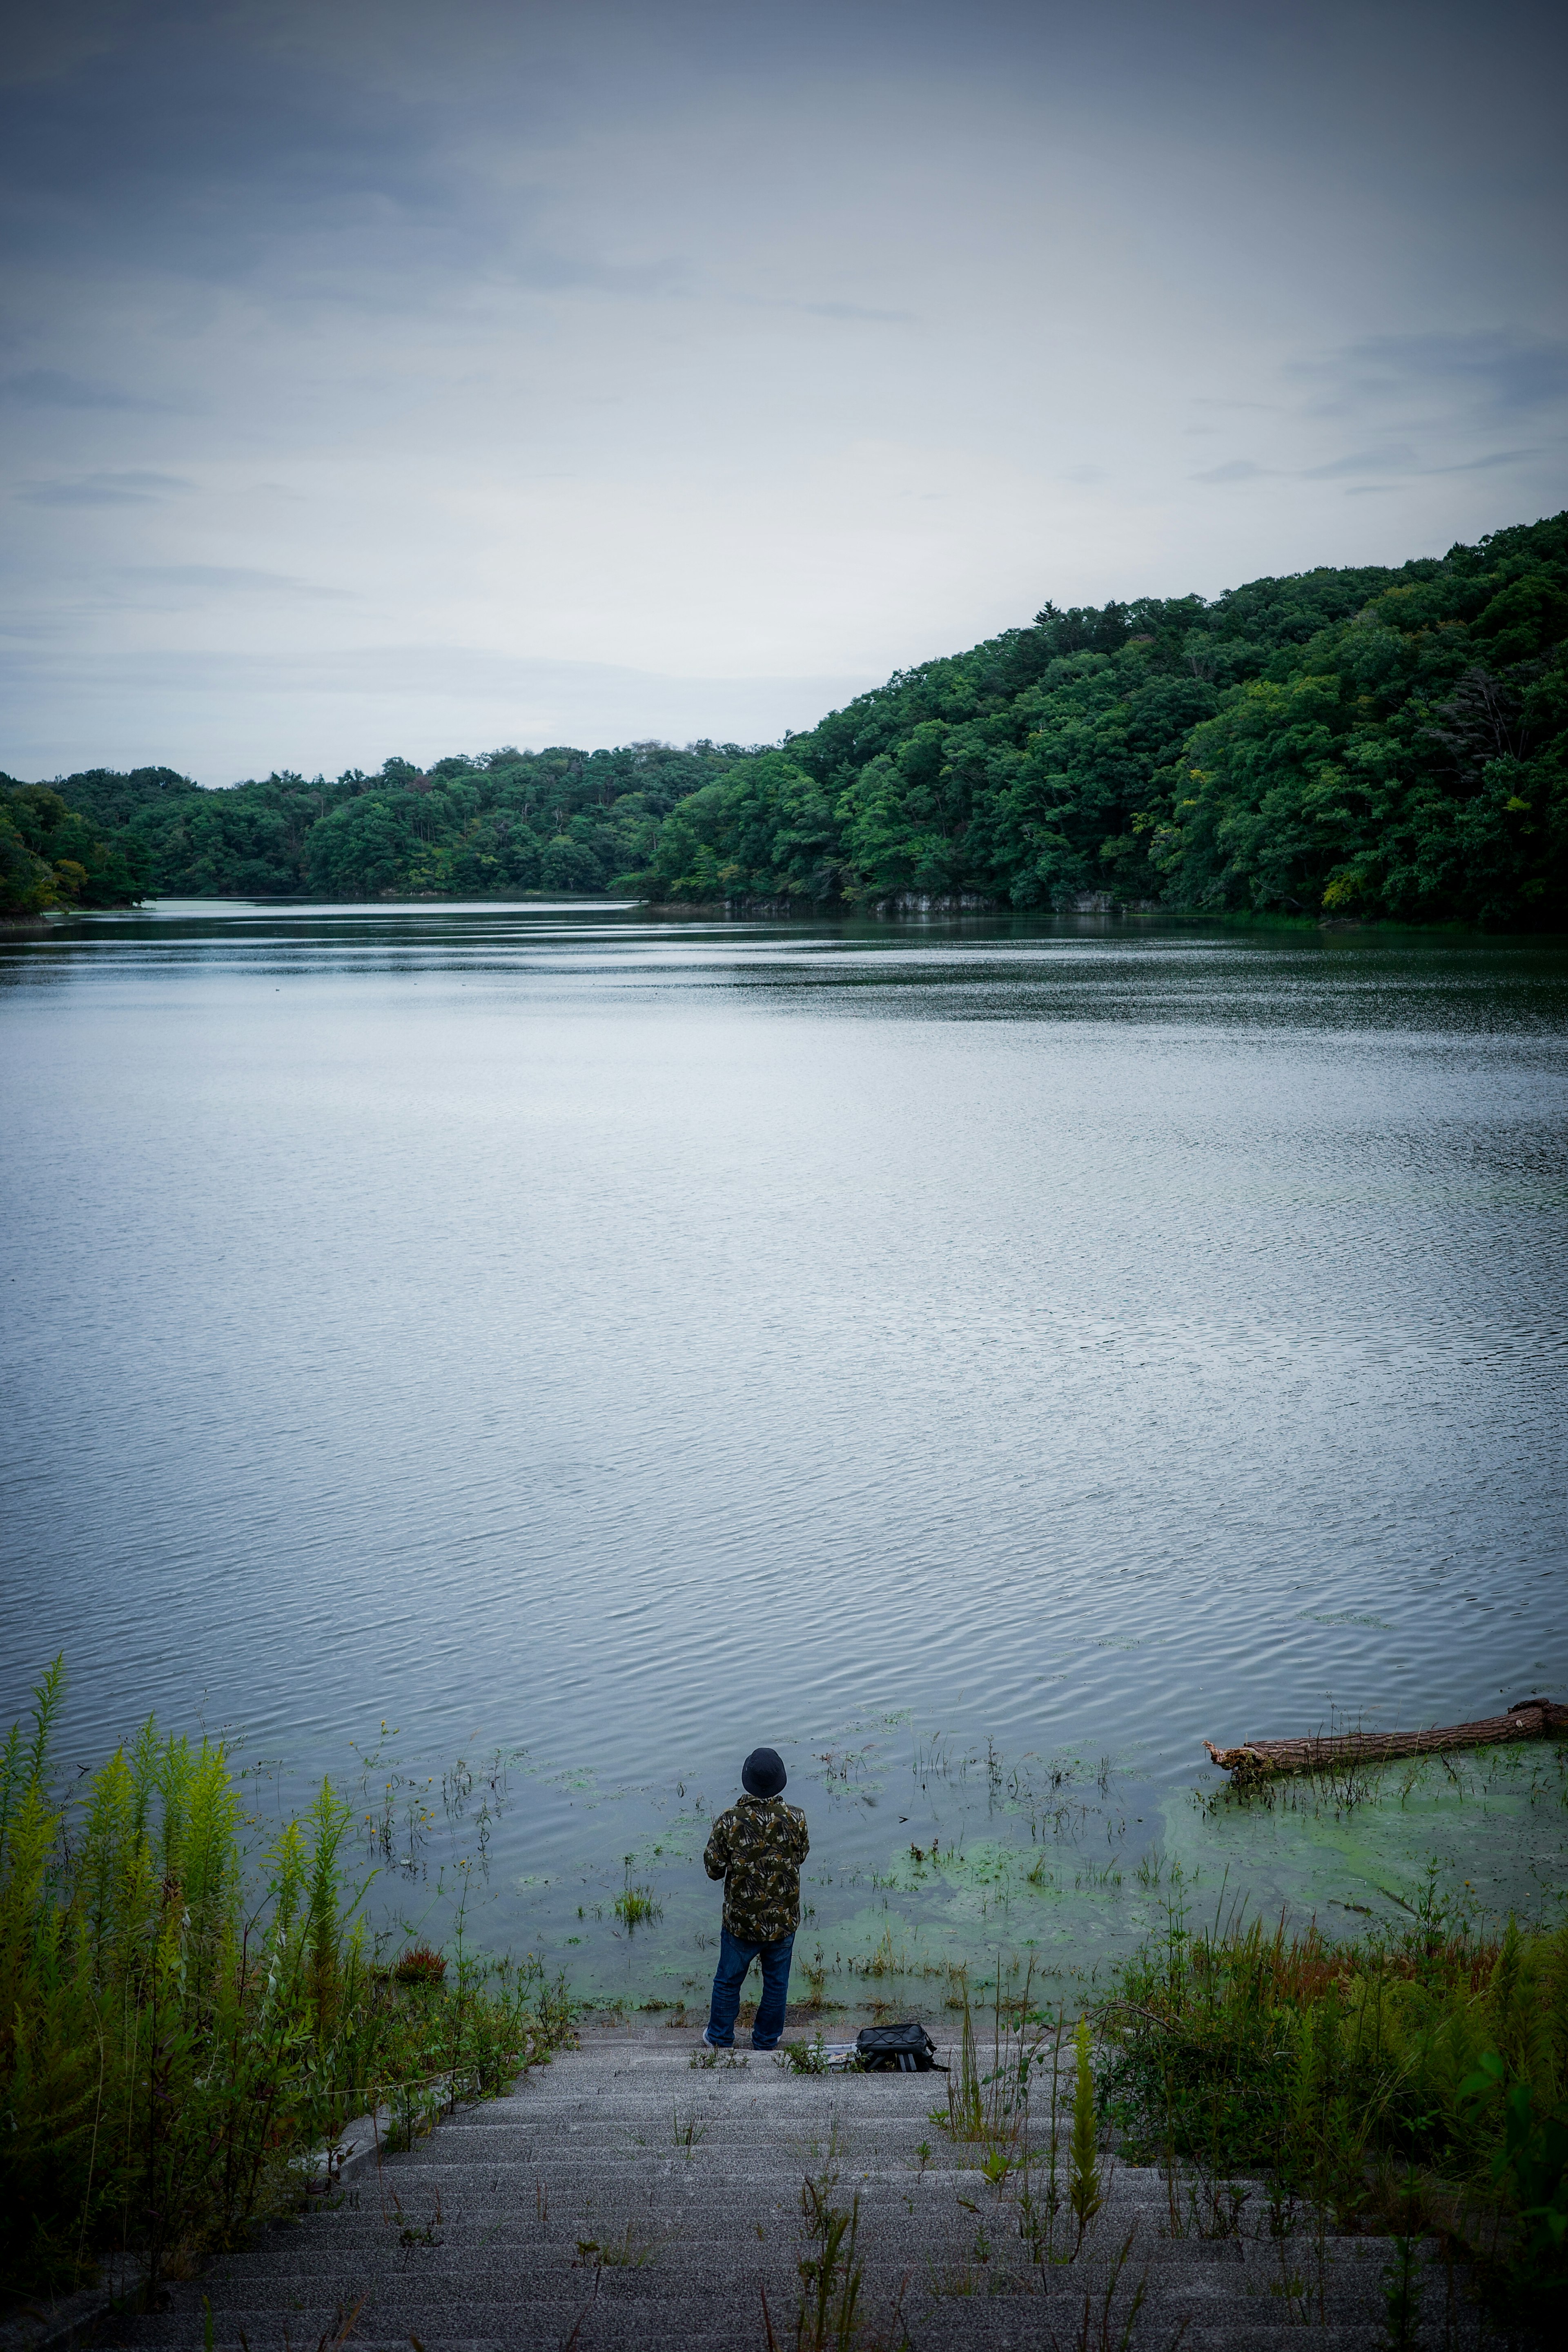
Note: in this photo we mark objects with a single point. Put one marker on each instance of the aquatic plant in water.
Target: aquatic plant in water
(635, 1907)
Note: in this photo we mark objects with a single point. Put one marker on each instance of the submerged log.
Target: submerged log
(1527, 1718)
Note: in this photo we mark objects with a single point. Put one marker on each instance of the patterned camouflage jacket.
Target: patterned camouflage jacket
(757, 1848)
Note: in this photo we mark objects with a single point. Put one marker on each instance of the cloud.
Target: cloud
(544, 272)
(858, 310)
(233, 579)
(851, 313)
(200, 144)
(1397, 459)
(1497, 457)
(1496, 371)
(136, 487)
(53, 388)
(1401, 459)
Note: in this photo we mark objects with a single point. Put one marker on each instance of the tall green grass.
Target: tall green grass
(1412, 2081)
(177, 2029)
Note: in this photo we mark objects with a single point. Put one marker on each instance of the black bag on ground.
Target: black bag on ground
(905, 2049)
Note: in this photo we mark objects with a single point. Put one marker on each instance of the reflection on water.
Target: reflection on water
(980, 1359)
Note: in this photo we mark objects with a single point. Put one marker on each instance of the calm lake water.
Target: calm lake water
(980, 1359)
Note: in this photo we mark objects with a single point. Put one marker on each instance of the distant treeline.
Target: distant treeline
(558, 821)
(1364, 742)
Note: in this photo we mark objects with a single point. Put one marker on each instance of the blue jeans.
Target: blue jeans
(734, 1959)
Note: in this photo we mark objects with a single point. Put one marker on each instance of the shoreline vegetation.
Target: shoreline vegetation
(1350, 746)
(189, 2011)
(1406, 2086)
(184, 2024)
(1411, 2083)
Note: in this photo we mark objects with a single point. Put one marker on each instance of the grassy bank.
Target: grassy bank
(181, 2023)
(1414, 2082)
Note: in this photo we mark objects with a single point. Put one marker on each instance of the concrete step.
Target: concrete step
(884, 2209)
(511, 2188)
(991, 2329)
(783, 2169)
(729, 2314)
(650, 2263)
(990, 2324)
(732, 2221)
(725, 2273)
(474, 2239)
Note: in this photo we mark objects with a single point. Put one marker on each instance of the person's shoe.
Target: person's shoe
(709, 2043)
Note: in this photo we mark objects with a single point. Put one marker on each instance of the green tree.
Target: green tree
(28, 882)
(54, 857)
(765, 830)
(365, 849)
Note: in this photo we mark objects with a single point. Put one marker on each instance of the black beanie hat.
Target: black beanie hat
(762, 1774)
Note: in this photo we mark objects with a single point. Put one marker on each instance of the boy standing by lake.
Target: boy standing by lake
(756, 1848)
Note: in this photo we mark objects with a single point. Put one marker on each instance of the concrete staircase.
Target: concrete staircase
(637, 2192)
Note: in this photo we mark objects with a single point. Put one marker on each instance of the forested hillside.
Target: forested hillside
(1364, 742)
(1369, 742)
(52, 856)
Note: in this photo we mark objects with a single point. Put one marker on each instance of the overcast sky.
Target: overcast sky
(379, 378)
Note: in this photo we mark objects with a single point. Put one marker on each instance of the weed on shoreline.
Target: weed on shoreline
(177, 2032)
(1413, 2083)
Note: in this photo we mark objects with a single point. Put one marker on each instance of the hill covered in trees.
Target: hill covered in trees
(52, 856)
(1367, 742)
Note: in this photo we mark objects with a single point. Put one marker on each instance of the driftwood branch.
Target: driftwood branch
(1527, 1718)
